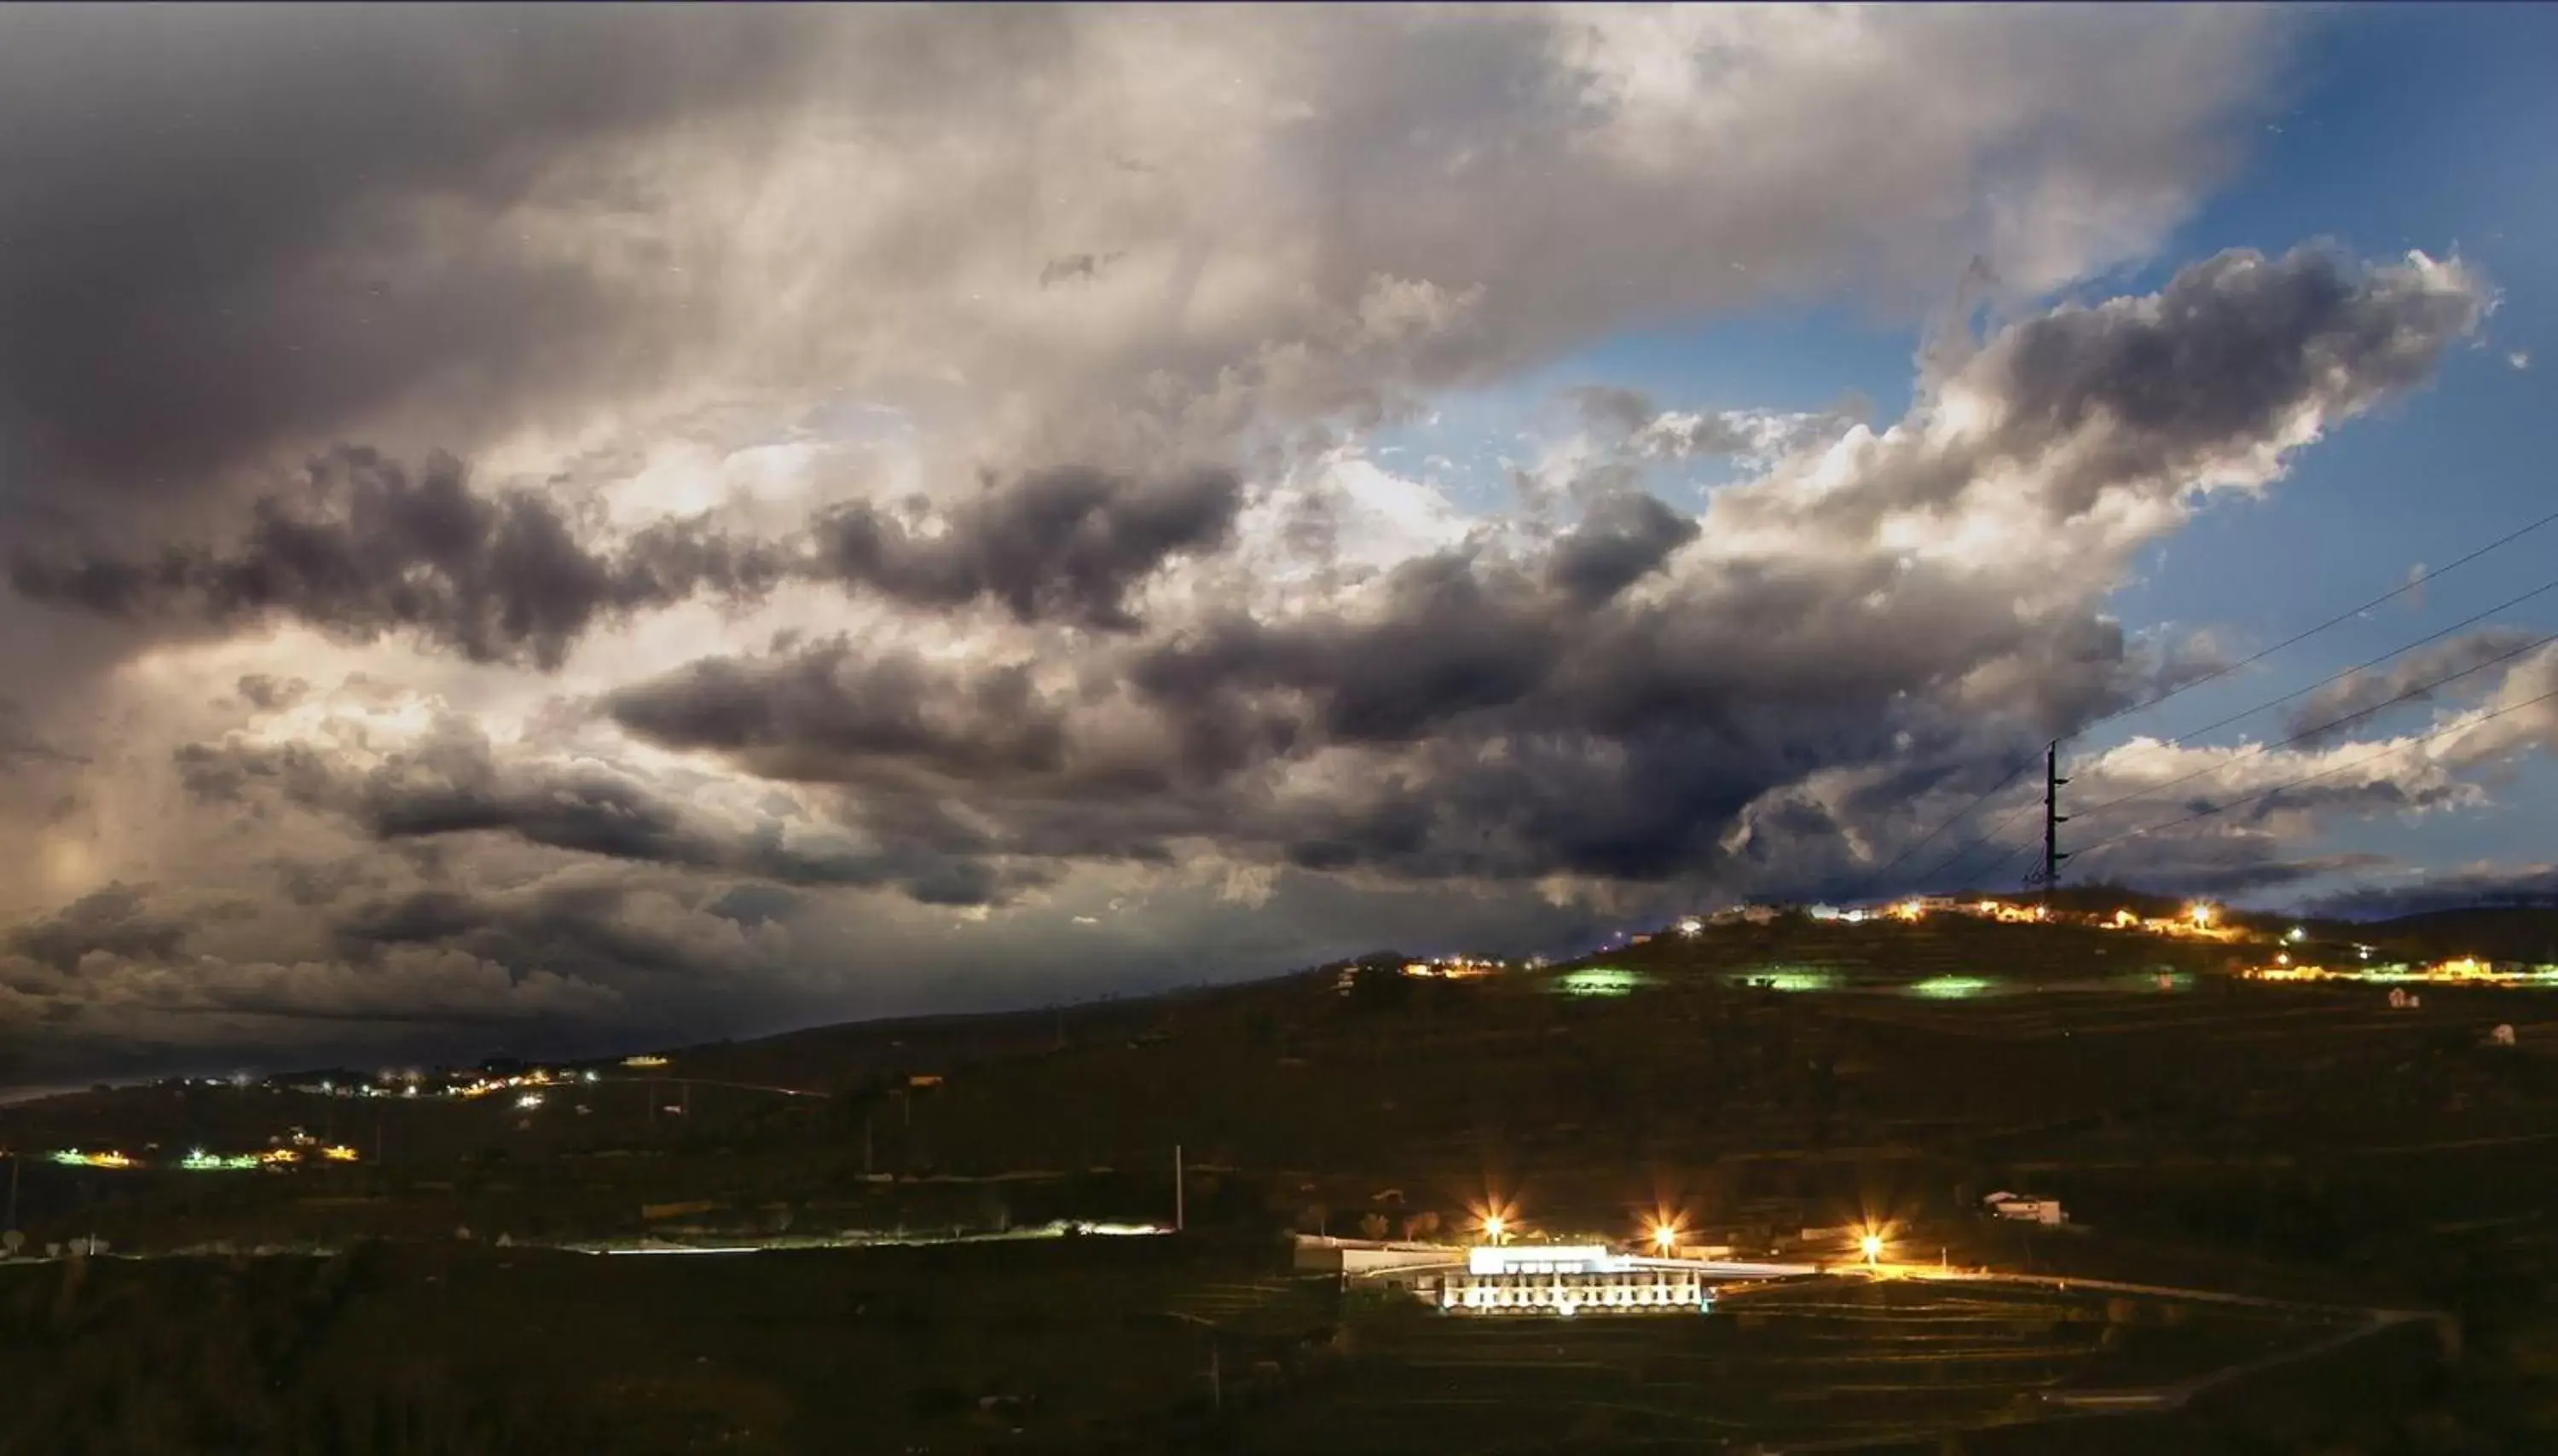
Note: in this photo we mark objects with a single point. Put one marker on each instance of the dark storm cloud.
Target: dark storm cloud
(752, 906)
(2152, 394)
(203, 250)
(268, 693)
(1063, 545)
(115, 921)
(2226, 350)
(920, 750)
(457, 784)
(20, 744)
(1452, 634)
(1621, 539)
(1503, 714)
(1495, 725)
(364, 551)
(809, 713)
(2364, 692)
(311, 885)
(576, 929)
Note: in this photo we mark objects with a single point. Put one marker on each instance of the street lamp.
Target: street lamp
(1664, 1238)
(1494, 1227)
(1872, 1243)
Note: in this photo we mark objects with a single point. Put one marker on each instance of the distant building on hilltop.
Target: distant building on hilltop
(2025, 1208)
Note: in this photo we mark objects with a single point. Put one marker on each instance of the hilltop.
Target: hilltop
(1759, 1083)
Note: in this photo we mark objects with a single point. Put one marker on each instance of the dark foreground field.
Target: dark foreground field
(2308, 1143)
(1088, 1345)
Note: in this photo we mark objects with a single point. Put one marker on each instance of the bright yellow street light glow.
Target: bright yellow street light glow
(1664, 1237)
(1493, 1223)
(1872, 1243)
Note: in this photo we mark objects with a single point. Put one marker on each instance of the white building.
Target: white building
(2025, 1208)
(1577, 1278)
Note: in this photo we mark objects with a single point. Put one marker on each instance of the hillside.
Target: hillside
(2491, 932)
(1750, 1082)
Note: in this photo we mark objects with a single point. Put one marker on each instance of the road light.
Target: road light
(1494, 1225)
(1872, 1243)
(1664, 1238)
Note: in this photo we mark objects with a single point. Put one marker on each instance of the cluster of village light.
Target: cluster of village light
(2201, 919)
(1451, 968)
(2198, 920)
(1436, 968)
(2459, 971)
(527, 1085)
(301, 1150)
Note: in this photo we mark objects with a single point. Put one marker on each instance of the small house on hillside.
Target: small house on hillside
(2025, 1208)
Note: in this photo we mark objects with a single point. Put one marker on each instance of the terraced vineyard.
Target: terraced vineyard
(1785, 1367)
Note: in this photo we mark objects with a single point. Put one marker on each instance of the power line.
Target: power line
(2001, 863)
(1995, 829)
(2310, 732)
(1876, 875)
(2053, 819)
(2467, 622)
(2444, 731)
(2344, 616)
(2314, 730)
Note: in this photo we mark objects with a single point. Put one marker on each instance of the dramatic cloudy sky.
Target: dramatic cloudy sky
(556, 528)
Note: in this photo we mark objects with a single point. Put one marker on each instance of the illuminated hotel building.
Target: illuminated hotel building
(1529, 1279)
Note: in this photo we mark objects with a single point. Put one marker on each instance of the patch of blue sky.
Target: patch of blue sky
(1778, 360)
(2414, 127)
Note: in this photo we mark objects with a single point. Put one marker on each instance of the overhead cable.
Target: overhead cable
(2316, 729)
(2410, 585)
(2444, 731)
